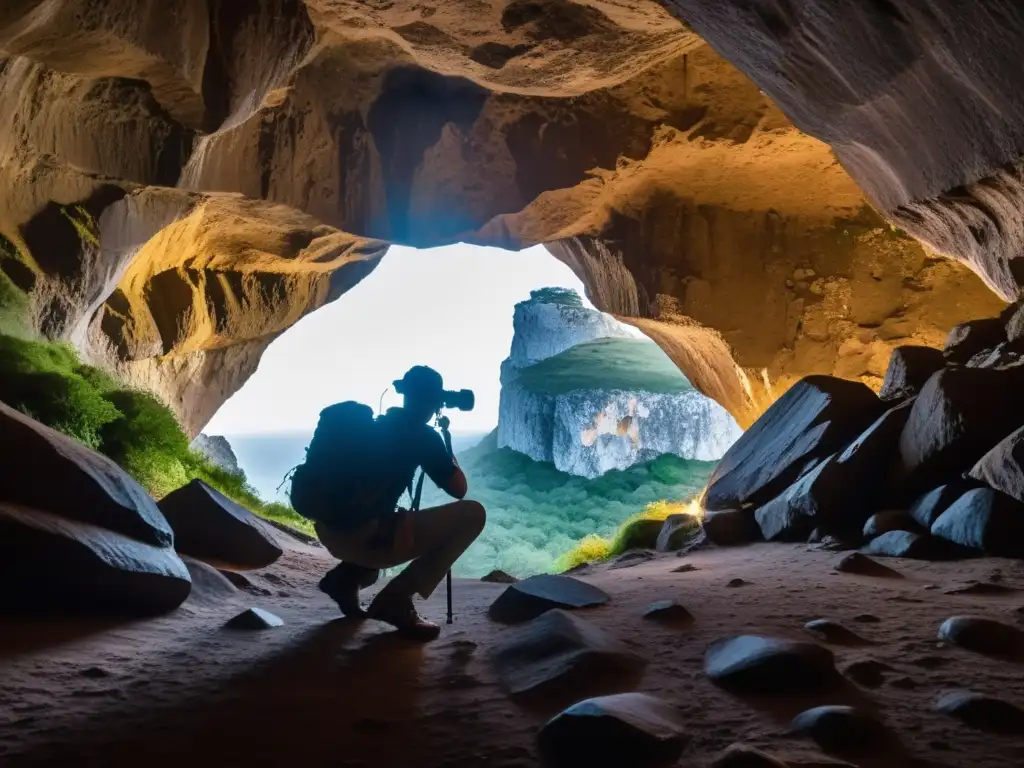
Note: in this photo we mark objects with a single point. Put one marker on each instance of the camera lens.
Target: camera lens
(463, 400)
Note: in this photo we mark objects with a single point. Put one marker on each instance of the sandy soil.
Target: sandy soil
(182, 690)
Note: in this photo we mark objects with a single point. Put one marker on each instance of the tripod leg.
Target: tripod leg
(449, 597)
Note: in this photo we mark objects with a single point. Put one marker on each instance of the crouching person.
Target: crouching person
(356, 470)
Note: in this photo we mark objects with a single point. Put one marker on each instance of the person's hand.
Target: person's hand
(443, 422)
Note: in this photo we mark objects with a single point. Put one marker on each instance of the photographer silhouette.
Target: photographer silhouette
(357, 469)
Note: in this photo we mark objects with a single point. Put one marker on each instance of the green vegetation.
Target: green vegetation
(565, 297)
(628, 364)
(536, 514)
(13, 302)
(47, 381)
(83, 222)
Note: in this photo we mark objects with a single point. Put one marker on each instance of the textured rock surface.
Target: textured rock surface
(909, 368)
(218, 450)
(986, 520)
(667, 179)
(531, 597)
(54, 563)
(769, 665)
(984, 635)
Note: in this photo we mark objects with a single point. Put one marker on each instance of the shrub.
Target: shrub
(565, 297)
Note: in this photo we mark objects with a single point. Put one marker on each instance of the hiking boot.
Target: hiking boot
(342, 584)
(400, 613)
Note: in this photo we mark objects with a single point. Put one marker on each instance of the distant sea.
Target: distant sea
(266, 459)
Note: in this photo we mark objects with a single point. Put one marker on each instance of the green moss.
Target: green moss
(83, 222)
(46, 381)
(13, 301)
(627, 364)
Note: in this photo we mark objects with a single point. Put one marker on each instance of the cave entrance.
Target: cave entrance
(554, 375)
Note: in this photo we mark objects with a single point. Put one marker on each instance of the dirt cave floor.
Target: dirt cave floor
(183, 690)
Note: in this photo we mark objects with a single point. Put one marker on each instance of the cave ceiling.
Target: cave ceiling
(768, 189)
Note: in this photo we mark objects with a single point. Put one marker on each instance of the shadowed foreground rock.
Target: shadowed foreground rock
(909, 368)
(984, 520)
(668, 612)
(560, 654)
(49, 563)
(209, 586)
(986, 713)
(862, 565)
(531, 597)
(254, 618)
(42, 469)
(915, 546)
(767, 665)
(624, 729)
(982, 635)
(210, 526)
(844, 729)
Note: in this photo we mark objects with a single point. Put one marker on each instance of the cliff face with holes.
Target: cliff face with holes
(182, 181)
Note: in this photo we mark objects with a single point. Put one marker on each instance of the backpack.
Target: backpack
(342, 461)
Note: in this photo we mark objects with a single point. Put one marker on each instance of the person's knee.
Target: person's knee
(475, 515)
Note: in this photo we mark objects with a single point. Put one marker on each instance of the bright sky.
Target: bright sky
(449, 308)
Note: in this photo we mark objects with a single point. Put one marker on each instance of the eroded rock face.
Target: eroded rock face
(183, 183)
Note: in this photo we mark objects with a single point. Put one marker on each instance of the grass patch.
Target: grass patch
(637, 531)
(627, 364)
(46, 381)
(83, 222)
(14, 306)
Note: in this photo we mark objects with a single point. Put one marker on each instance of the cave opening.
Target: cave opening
(581, 421)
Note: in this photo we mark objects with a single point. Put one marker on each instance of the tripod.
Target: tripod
(442, 424)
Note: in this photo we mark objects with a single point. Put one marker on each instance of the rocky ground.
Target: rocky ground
(183, 689)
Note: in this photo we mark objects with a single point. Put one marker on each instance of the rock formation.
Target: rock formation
(182, 182)
(218, 450)
(589, 394)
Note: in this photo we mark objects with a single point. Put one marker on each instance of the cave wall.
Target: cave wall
(184, 180)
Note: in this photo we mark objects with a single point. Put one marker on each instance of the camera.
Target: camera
(462, 400)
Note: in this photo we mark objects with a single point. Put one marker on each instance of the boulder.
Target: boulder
(986, 520)
(668, 612)
(632, 729)
(914, 546)
(960, 414)
(253, 619)
(909, 368)
(861, 565)
(843, 729)
(50, 563)
(754, 664)
(1013, 321)
(499, 577)
(729, 527)
(814, 418)
(1002, 467)
(839, 492)
(676, 531)
(926, 508)
(986, 713)
(1005, 356)
(558, 653)
(890, 520)
(986, 636)
(210, 526)
(42, 469)
(968, 339)
(531, 597)
(209, 586)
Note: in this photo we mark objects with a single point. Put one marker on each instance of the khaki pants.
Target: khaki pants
(433, 539)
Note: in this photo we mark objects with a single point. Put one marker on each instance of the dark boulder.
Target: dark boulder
(968, 339)
(754, 664)
(814, 418)
(632, 729)
(914, 546)
(926, 508)
(1013, 320)
(862, 565)
(499, 577)
(986, 636)
(50, 563)
(558, 653)
(843, 729)
(668, 612)
(833, 632)
(986, 520)
(1006, 356)
(1002, 467)
(798, 510)
(254, 618)
(986, 713)
(210, 526)
(42, 469)
(209, 586)
(676, 531)
(960, 414)
(531, 597)
(890, 520)
(909, 368)
(729, 527)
